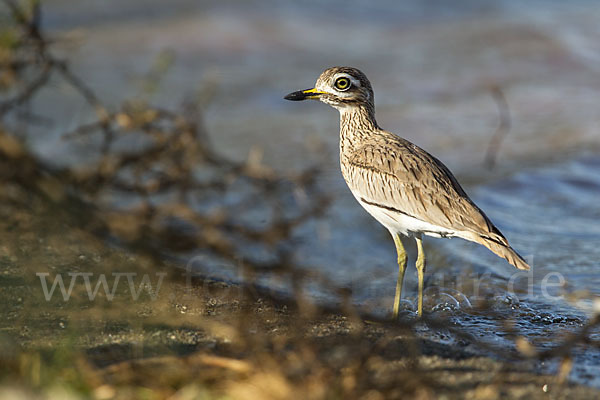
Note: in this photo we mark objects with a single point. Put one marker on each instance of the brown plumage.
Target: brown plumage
(407, 178)
(405, 188)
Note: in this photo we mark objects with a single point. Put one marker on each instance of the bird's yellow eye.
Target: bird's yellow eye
(342, 83)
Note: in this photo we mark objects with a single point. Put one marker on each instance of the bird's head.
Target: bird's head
(340, 87)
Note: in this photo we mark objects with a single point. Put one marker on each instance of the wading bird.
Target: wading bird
(402, 186)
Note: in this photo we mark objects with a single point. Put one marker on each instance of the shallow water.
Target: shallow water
(562, 244)
(547, 213)
(431, 66)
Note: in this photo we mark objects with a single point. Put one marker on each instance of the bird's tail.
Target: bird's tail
(499, 246)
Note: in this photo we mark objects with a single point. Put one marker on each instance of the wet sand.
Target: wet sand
(211, 338)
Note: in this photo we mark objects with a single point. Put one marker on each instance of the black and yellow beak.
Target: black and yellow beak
(304, 94)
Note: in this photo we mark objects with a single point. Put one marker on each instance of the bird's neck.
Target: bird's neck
(356, 124)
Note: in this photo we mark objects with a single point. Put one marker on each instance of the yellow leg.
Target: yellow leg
(420, 273)
(401, 268)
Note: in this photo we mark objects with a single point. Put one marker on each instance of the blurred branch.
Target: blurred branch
(27, 93)
(503, 129)
(169, 180)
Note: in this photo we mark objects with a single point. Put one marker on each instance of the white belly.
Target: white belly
(403, 224)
